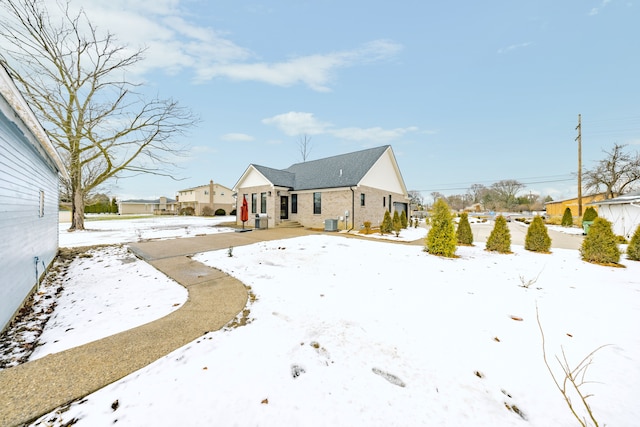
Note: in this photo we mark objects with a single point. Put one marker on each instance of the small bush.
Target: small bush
(599, 245)
(633, 250)
(537, 239)
(367, 227)
(567, 218)
(403, 219)
(415, 222)
(220, 212)
(463, 233)
(500, 238)
(188, 211)
(441, 239)
(590, 214)
(233, 212)
(387, 224)
(207, 211)
(396, 223)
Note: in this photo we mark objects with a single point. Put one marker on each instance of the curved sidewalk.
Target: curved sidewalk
(33, 389)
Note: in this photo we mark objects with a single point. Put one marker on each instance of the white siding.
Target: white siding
(384, 175)
(27, 230)
(624, 217)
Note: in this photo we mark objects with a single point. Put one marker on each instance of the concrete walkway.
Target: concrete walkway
(33, 389)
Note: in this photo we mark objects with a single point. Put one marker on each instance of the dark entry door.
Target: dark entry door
(284, 207)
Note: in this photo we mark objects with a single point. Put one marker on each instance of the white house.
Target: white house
(346, 190)
(29, 180)
(623, 212)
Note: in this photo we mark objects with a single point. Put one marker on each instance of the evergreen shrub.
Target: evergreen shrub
(441, 239)
(537, 239)
(403, 219)
(500, 238)
(396, 223)
(589, 214)
(600, 244)
(463, 233)
(387, 224)
(633, 250)
(567, 218)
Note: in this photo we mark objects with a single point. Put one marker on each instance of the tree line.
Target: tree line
(618, 172)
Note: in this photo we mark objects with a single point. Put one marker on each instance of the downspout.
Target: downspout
(353, 205)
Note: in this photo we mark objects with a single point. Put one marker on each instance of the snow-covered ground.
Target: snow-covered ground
(355, 332)
(100, 231)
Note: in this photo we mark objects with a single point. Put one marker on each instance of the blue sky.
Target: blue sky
(466, 92)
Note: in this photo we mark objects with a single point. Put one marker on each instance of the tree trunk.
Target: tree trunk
(77, 220)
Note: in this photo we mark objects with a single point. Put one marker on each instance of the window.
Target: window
(41, 210)
(263, 202)
(361, 199)
(294, 203)
(317, 202)
(384, 202)
(254, 202)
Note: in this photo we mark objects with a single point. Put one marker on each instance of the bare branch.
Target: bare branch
(74, 79)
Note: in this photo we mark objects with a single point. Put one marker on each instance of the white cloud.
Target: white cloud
(174, 43)
(316, 71)
(375, 134)
(242, 137)
(297, 123)
(514, 47)
(597, 9)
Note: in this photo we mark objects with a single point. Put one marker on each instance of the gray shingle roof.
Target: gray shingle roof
(343, 170)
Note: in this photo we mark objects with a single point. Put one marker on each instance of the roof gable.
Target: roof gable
(345, 170)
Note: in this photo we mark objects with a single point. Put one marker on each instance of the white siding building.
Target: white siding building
(623, 212)
(29, 180)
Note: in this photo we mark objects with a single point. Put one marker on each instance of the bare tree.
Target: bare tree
(435, 195)
(73, 78)
(416, 198)
(304, 144)
(506, 192)
(477, 191)
(616, 173)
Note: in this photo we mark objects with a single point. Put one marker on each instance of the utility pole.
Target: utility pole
(579, 139)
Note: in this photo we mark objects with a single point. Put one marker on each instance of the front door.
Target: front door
(284, 207)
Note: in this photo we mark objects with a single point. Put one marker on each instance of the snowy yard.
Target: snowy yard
(362, 333)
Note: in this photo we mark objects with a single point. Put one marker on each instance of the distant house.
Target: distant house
(30, 170)
(161, 206)
(350, 188)
(623, 212)
(207, 197)
(557, 207)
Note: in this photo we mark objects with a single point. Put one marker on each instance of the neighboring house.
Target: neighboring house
(161, 206)
(351, 188)
(30, 170)
(207, 197)
(557, 207)
(623, 212)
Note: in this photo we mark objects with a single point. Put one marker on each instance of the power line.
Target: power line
(526, 181)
